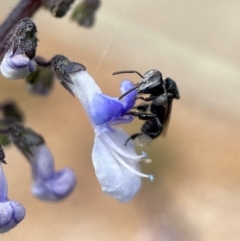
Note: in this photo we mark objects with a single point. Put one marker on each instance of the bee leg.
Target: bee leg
(145, 99)
(142, 107)
(134, 136)
(142, 115)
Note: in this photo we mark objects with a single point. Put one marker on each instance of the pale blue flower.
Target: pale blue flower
(117, 167)
(48, 184)
(105, 109)
(11, 212)
(17, 65)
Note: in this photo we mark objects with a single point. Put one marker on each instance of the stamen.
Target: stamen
(119, 159)
(120, 151)
(151, 177)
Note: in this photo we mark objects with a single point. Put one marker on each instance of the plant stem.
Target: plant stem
(25, 8)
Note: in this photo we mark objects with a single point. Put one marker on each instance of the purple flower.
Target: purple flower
(60, 7)
(20, 50)
(105, 109)
(11, 212)
(48, 184)
(17, 65)
(117, 167)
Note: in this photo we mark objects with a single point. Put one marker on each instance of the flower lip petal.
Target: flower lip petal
(115, 180)
(12, 213)
(48, 184)
(57, 188)
(129, 99)
(63, 183)
(3, 185)
(16, 66)
(19, 61)
(105, 108)
(122, 120)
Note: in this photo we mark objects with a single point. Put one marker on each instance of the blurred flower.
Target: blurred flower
(4, 139)
(48, 184)
(20, 50)
(16, 65)
(84, 13)
(60, 7)
(11, 212)
(10, 113)
(117, 167)
(11, 110)
(40, 81)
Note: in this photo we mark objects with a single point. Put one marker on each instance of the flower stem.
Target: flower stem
(25, 8)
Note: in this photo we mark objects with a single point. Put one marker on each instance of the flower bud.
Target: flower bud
(40, 81)
(11, 212)
(20, 50)
(84, 13)
(59, 8)
(48, 184)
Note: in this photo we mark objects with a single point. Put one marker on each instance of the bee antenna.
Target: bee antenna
(128, 71)
(128, 92)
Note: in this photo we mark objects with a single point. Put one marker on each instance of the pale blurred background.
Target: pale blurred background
(196, 192)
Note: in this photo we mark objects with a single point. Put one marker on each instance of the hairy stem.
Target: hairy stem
(25, 8)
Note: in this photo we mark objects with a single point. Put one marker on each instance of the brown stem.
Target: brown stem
(25, 8)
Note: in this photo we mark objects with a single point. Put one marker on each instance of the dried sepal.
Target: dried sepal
(62, 67)
(59, 8)
(23, 38)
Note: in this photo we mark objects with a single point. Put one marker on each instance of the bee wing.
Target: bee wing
(167, 118)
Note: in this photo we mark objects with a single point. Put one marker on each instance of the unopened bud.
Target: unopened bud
(84, 13)
(60, 7)
(40, 81)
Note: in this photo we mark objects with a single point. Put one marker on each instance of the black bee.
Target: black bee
(161, 94)
(2, 155)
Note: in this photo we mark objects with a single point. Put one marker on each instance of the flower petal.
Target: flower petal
(42, 163)
(104, 108)
(122, 120)
(48, 184)
(3, 185)
(56, 188)
(129, 99)
(16, 66)
(115, 179)
(11, 213)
